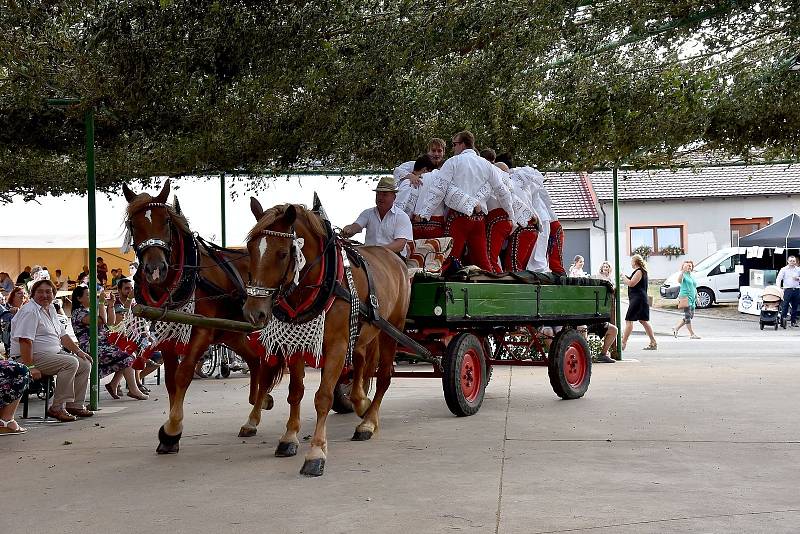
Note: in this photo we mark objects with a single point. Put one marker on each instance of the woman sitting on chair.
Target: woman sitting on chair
(110, 359)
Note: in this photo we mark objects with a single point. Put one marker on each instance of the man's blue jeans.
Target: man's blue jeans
(791, 297)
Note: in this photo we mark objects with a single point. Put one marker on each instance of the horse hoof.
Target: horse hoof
(268, 402)
(285, 450)
(247, 432)
(167, 444)
(313, 468)
(362, 435)
(167, 449)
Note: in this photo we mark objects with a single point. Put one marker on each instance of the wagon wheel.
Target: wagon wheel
(341, 394)
(569, 365)
(464, 374)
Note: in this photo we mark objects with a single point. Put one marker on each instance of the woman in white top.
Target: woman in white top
(576, 269)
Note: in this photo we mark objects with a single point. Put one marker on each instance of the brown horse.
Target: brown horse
(174, 268)
(273, 261)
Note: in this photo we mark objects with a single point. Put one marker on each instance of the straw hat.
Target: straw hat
(386, 184)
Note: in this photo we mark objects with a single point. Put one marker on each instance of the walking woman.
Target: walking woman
(638, 307)
(689, 292)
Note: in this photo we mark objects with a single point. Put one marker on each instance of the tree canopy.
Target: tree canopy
(255, 88)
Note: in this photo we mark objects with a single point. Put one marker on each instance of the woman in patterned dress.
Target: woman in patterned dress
(14, 380)
(110, 359)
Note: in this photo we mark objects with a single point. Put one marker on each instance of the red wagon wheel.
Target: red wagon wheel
(569, 365)
(464, 374)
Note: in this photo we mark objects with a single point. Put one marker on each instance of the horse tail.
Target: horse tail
(275, 369)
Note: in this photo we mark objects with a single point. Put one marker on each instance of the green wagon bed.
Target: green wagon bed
(517, 299)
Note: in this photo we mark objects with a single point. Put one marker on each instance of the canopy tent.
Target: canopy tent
(53, 231)
(784, 233)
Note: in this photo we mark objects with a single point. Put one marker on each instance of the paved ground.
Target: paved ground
(699, 436)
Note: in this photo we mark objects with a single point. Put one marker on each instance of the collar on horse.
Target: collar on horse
(183, 270)
(322, 294)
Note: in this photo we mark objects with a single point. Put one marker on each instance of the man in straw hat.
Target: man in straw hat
(386, 225)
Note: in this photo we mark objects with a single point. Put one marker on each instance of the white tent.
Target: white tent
(53, 231)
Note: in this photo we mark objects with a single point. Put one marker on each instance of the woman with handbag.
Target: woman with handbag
(687, 299)
(638, 304)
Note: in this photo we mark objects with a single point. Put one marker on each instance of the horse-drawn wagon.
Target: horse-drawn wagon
(312, 297)
(465, 325)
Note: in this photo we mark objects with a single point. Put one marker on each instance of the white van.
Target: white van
(716, 276)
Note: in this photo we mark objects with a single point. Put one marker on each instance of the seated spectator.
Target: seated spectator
(123, 303)
(116, 276)
(36, 340)
(14, 380)
(605, 273)
(6, 284)
(608, 333)
(110, 359)
(576, 269)
(61, 281)
(24, 276)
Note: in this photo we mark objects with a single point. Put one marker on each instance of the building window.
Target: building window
(656, 237)
(745, 226)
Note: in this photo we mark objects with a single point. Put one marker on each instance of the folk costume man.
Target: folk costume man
(410, 199)
(403, 172)
(465, 182)
(386, 224)
(499, 225)
(522, 241)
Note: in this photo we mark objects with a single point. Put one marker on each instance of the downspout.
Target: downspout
(604, 228)
(585, 177)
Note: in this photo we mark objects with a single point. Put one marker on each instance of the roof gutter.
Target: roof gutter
(586, 180)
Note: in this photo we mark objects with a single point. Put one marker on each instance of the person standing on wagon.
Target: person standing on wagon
(465, 182)
(386, 224)
(789, 279)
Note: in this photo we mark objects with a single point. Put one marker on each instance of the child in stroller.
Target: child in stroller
(772, 299)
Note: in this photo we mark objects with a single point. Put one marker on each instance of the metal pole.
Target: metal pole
(222, 205)
(617, 300)
(94, 393)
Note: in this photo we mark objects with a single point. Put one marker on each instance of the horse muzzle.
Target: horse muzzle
(156, 272)
(258, 311)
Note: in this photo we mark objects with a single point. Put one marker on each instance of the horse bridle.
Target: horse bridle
(267, 292)
(152, 242)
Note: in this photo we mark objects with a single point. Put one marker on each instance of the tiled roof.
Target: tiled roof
(572, 197)
(706, 182)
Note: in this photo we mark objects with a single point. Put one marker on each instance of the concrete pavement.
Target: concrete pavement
(699, 436)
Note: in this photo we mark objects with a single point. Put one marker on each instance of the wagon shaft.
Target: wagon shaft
(170, 316)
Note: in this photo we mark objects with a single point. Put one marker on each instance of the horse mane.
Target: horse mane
(139, 203)
(276, 212)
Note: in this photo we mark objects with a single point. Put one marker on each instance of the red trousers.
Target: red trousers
(432, 229)
(520, 247)
(468, 231)
(555, 248)
(498, 228)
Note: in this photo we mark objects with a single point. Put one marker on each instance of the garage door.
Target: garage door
(576, 242)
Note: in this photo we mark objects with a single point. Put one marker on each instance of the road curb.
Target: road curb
(699, 315)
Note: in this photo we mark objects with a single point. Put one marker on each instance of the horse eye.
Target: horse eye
(283, 255)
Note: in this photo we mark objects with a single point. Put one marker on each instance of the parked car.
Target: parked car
(716, 276)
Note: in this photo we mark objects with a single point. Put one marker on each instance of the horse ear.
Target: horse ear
(255, 207)
(163, 195)
(290, 215)
(129, 195)
(177, 205)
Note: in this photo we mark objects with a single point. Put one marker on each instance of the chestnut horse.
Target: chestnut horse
(273, 261)
(170, 269)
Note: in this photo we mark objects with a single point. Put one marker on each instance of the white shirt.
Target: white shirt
(403, 170)
(788, 275)
(466, 181)
(394, 225)
(410, 199)
(32, 322)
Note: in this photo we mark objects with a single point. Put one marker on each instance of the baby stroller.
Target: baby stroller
(771, 308)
